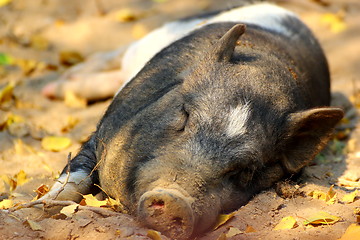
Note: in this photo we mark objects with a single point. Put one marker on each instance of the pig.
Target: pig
(226, 106)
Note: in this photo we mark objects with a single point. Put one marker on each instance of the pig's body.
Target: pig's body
(210, 120)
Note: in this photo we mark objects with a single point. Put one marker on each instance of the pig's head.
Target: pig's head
(207, 145)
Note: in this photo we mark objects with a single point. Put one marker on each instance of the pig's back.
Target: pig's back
(263, 15)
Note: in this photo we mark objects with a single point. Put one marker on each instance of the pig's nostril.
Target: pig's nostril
(157, 204)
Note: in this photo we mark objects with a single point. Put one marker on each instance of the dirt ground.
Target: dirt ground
(39, 33)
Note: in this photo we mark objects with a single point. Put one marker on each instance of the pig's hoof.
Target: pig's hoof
(168, 211)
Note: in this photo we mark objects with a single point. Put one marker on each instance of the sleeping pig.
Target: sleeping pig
(217, 108)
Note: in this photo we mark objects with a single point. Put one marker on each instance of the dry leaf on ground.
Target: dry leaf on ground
(351, 233)
(321, 218)
(74, 101)
(349, 198)
(222, 219)
(33, 225)
(233, 231)
(55, 143)
(330, 197)
(286, 223)
(90, 200)
(249, 229)
(70, 210)
(6, 203)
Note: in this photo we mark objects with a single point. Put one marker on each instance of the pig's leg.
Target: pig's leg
(78, 177)
(92, 79)
(97, 78)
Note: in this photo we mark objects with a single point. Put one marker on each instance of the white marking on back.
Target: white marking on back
(237, 119)
(139, 53)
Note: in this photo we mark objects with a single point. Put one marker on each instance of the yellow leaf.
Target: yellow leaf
(9, 181)
(114, 204)
(330, 197)
(4, 2)
(34, 225)
(90, 200)
(286, 223)
(349, 198)
(334, 21)
(351, 233)
(70, 58)
(154, 235)
(321, 218)
(233, 232)
(55, 144)
(71, 123)
(6, 203)
(125, 15)
(41, 191)
(249, 229)
(21, 178)
(317, 195)
(70, 210)
(222, 219)
(71, 100)
(6, 92)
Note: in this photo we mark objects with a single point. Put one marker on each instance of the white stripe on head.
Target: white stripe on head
(237, 120)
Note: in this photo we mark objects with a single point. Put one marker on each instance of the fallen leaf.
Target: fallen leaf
(321, 218)
(6, 92)
(335, 22)
(70, 124)
(351, 233)
(349, 198)
(222, 219)
(154, 235)
(330, 197)
(125, 15)
(114, 204)
(90, 200)
(21, 178)
(33, 225)
(286, 223)
(6, 59)
(249, 229)
(4, 2)
(233, 232)
(70, 58)
(6, 203)
(55, 144)
(38, 42)
(41, 191)
(71, 100)
(70, 210)
(9, 181)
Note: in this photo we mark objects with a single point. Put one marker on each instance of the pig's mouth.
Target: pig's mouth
(170, 212)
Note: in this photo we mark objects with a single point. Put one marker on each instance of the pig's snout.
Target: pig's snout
(168, 211)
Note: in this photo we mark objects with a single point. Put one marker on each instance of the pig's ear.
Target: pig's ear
(224, 48)
(308, 133)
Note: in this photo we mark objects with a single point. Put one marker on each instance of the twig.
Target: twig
(66, 180)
